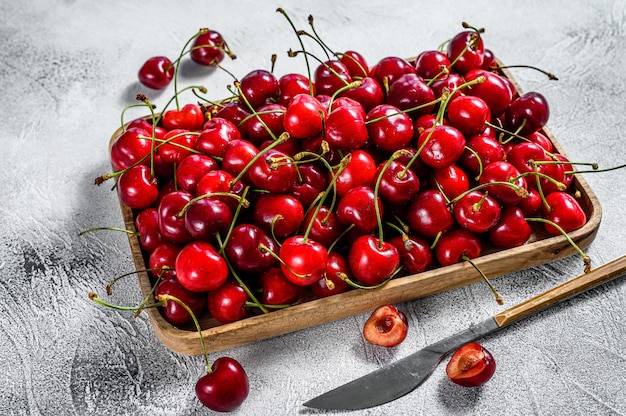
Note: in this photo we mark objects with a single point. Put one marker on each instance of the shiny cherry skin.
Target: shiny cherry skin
(359, 171)
(369, 93)
(442, 145)
(410, 91)
(162, 260)
(157, 72)
(330, 76)
(137, 188)
(355, 63)
(303, 261)
(345, 127)
(389, 129)
(206, 217)
(565, 211)
(357, 208)
(274, 172)
(428, 215)
(466, 50)
(452, 83)
(476, 211)
(326, 227)
(227, 303)
(469, 114)
(277, 289)
(249, 249)
(200, 268)
(179, 143)
(173, 312)
(225, 388)
(131, 147)
(267, 124)
(471, 365)
(293, 84)
(389, 69)
(512, 230)
(480, 151)
(257, 87)
(398, 185)
(189, 117)
(191, 169)
(238, 156)
(311, 180)
(280, 215)
(432, 64)
(219, 181)
(498, 172)
(415, 253)
(171, 224)
(237, 113)
(215, 135)
(208, 48)
(147, 225)
(372, 261)
(528, 113)
(495, 91)
(452, 181)
(457, 244)
(304, 116)
(337, 268)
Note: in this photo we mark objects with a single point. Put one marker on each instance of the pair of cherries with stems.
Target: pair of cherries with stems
(225, 386)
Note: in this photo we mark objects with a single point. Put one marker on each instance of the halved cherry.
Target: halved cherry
(471, 365)
(387, 326)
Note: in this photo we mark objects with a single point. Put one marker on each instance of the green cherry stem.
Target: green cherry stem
(491, 286)
(306, 59)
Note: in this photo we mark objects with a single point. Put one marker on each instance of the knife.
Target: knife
(405, 375)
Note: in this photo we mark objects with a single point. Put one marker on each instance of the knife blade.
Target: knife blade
(403, 376)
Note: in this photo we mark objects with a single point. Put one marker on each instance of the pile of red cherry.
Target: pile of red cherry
(296, 188)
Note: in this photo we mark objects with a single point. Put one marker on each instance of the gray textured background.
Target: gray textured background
(68, 67)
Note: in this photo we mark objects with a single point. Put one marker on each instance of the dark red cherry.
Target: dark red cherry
(304, 116)
(225, 387)
(508, 186)
(191, 169)
(477, 212)
(293, 84)
(157, 72)
(495, 90)
(326, 227)
(189, 117)
(303, 261)
(452, 181)
(528, 113)
(469, 114)
(357, 208)
(333, 281)
(359, 171)
(274, 172)
(171, 224)
(208, 48)
(372, 261)
(137, 188)
(512, 230)
(389, 129)
(410, 93)
(432, 65)
(206, 217)
(278, 214)
(330, 76)
(441, 146)
(466, 51)
(200, 268)
(563, 210)
(277, 289)
(174, 312)
(257, 87)
(162, 260)
(249, 249)
(428, 215)
(398, 185)
(131, 147)
(147, 224)
(216, 134)
(457, 244)
(368, 93)
(356, 64)
(480, 151)
(267, 124)
(415, 253)
(389, 69)
(227, 303)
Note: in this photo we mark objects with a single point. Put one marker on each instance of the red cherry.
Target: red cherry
(531, 204)
(499, 172)
(372, 261)
(303, 261)
(219, 181)
(357, 208)
(330, 76)
(206, 217)
(137, 188)
(495, 90)
(410, 91)
(225, 388)
(528, 113)
(274, 172)
(267, 124)
(189, 117)
(432, 64)
(457, 244)
(337, 268)
(415, 253)
(542, 140)
(258, 86)
(469, 114)
(389, 69)
(277, 289)
(191, 169)
(359, 171)
(368, 93)
(208, 48)
(565, 211)
(398, 185)
(147, 224)
(237, 113)
(471, 365)
(512, 230)
(388, 128)
(452, 181)
(326, 227)
(451, 84)
(278, 214)
(216, 134)
(227, 303)
(173, 312)
(157, 72)
(248, 249)
(293, 84)
(477, 211)
(311, 180)
(130, 147)
(199, 268)
(428, 215)
(304, 116)
(237, 156)
(480, 151)
(345, 127)
(387, 326)
(163, 258)
(171, 224)
(355, 63)
(442, 146)
(466, 50)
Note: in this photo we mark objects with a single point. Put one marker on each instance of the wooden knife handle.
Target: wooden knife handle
(564, 291)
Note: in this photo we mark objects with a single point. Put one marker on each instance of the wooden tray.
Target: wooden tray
(541, 248)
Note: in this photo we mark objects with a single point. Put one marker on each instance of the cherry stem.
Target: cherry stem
(109, 285)
(94, 297)
(550, 75)
(164, 298)
(244, 202)
(478, 159)
(595, 169)
(283, 138)
(123, 230)
(282, 306)
(586, 258)
(266, 249)
(308, 67)
(234, 221)
(519, 190)
(491, 286)
(393, 157)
